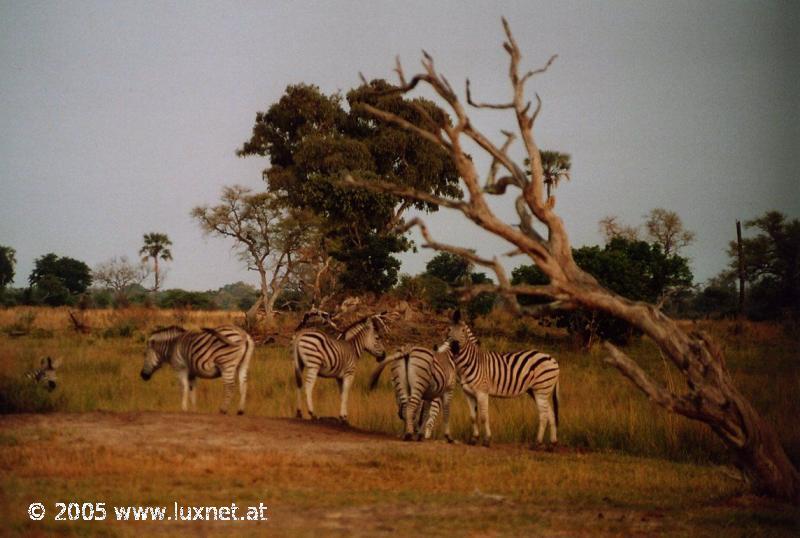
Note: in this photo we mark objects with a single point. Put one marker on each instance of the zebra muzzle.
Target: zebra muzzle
(51, 385)
(145, 375)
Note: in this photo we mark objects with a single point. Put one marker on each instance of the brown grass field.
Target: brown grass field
(625, 467)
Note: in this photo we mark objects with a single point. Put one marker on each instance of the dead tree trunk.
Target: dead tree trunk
(710, 395)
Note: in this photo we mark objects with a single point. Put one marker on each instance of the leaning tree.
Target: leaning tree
(709, 396)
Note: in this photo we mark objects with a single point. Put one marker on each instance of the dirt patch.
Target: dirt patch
(199, 431)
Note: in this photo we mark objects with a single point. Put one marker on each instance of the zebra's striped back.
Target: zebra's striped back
(205, 353)
(220, 352)
(503, 374)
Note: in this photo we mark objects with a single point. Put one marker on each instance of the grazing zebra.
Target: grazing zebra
(317, 354)
(488, 373)
(224, 351)
(423, 382)
(46, 373)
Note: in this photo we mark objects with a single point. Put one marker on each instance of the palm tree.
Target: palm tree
(555, 167)
(156, 246)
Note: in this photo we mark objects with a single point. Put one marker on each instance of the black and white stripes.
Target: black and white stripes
(317, 354)
(46, 373)
(221, 352)
(506, 375)
(423, 381)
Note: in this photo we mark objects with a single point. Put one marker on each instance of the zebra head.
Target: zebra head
(373, 341)
(158, 349)
(46, 374)
(459, 335)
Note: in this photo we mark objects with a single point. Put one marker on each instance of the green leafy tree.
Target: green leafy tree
(156, 246)
(634, 269)
(57, 280)
(772, 265)
(453, 271)
(7, 263)
(312, 139)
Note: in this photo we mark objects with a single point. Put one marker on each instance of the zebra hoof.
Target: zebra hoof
(473, 441)
(552, 446)
(537, 447)
(449, 439)
(240, 412)
(313, 416)
(419, 438)
(408, 436)
(298, 414)
(487, 443)
(223, 411)
(343, 420)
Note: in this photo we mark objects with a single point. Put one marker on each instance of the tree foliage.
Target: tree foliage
(156, 246)
(7, 263)
(771, 265)
(56, 280)
(634, 269)
(270, 237)
(120, 275)
(311, 138)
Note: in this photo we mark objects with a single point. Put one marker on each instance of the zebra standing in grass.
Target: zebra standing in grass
(46, 373)
(423, 381)
(317, 354)
(224, 351)
(488, 373)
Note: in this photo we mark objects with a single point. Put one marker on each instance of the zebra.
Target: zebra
(506, 375)
(423, 381)
(316, 354)
(46, 373)
(223, 351)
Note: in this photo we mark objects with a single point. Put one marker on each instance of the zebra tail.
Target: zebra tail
(373, 379)
(298, 374)
(555, 403)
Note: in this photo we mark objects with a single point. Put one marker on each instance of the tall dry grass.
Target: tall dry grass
(600, 410)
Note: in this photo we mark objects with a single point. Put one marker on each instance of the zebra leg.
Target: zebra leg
(299, 407)
(193, 392)
(308, 385)
(483, 416)
(473, 413)
(184, 377)
(431, 414)
(446, 399)
(344, 392)
(244, 366)
(551, 418)
(412, 415)
(543, 406)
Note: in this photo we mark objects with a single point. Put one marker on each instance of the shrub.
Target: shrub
(25, 396)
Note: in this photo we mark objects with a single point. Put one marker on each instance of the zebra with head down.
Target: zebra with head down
(220, 352)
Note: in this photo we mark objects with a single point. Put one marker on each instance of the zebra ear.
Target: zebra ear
(55, 363)
(457, 316)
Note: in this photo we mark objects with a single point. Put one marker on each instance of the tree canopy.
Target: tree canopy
(7, 263)
(56, 279)
(771, 265)
(312, 139)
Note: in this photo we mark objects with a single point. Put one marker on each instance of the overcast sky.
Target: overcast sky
(118, 117)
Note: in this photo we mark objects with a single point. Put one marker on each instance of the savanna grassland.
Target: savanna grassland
(624, 466)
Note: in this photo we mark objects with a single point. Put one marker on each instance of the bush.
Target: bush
(25, 396)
